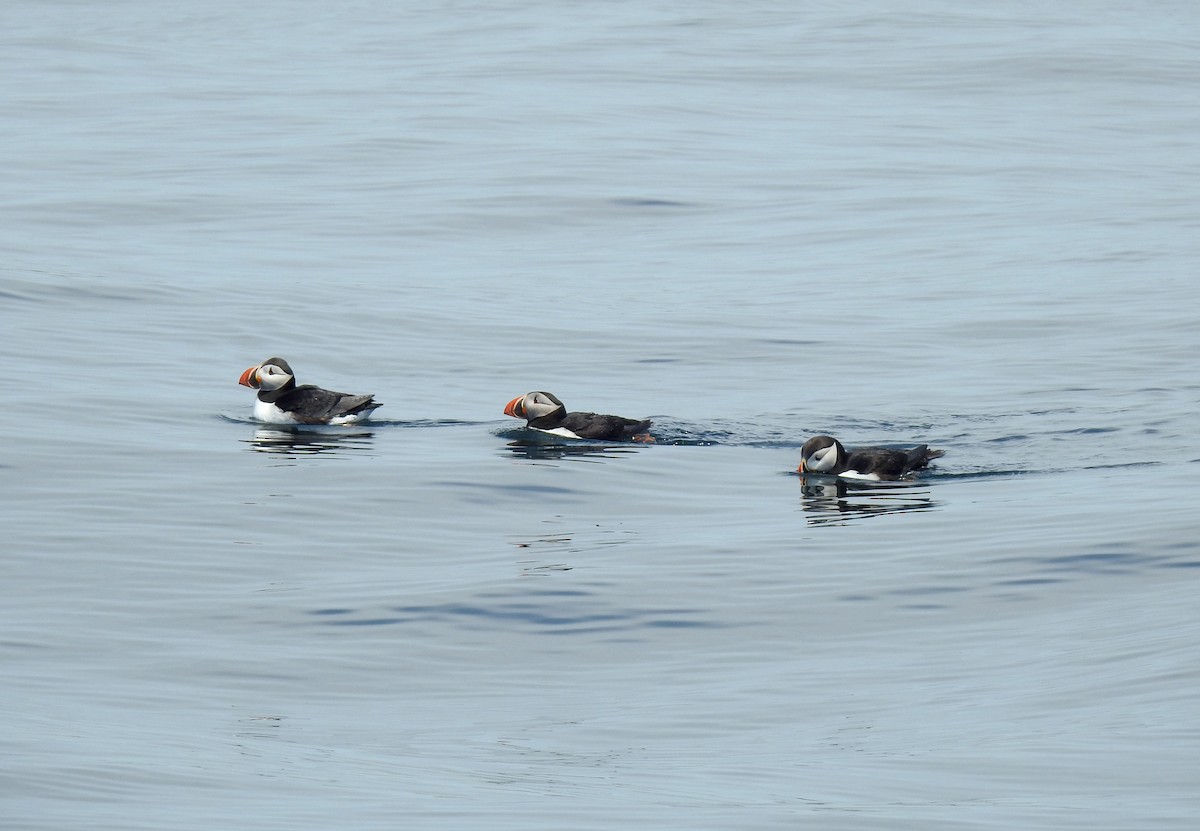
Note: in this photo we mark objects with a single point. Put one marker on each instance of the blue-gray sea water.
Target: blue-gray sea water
(968, 225)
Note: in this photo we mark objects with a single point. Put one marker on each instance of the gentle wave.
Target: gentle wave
(973, 453)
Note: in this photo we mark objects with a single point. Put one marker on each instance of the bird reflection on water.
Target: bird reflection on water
(830, 501)
(542, 451)
(303, 442)
(539, 446)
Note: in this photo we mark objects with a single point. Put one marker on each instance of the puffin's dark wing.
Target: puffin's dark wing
(607, 427)
(890, 464)
(880, 461)
(313, 405)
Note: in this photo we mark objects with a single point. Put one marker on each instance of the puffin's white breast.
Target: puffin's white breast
(269, 413)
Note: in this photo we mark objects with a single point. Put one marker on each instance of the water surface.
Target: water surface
(973, 228)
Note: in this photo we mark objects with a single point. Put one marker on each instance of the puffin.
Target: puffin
(280, 401)
(825, 454)
(543, 411)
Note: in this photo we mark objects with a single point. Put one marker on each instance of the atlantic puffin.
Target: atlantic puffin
(543, 411)
(280, 401)
(825, 454)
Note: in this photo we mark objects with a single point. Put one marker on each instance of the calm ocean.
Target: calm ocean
(973, 226)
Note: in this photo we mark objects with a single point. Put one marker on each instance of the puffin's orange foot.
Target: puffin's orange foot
(643, 438)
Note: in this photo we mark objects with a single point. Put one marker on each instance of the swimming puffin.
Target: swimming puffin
(543, 411)
(825, 454)
(280, 401)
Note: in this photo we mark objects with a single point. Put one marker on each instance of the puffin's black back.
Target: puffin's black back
(597, 426)
(313, 405)
(887, 463)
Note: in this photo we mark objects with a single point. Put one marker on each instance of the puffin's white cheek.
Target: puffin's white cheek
(823, 460)
(271, 381)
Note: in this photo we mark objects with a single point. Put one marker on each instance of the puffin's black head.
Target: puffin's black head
(280, 363)
(271, 374)
(534, 405)
(821, 454)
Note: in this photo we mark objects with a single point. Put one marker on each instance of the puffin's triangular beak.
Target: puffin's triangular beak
(510, 409)
(249, 377)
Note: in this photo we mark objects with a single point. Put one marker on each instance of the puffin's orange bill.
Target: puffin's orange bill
(513, 408)
(249, 377)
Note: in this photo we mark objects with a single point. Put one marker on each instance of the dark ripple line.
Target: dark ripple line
(743, 433)
(520, 612)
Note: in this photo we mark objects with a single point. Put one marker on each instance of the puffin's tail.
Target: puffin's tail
(359, 405)
(635, 428)
(920, 457)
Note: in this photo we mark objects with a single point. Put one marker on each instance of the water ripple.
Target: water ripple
(548, 614)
